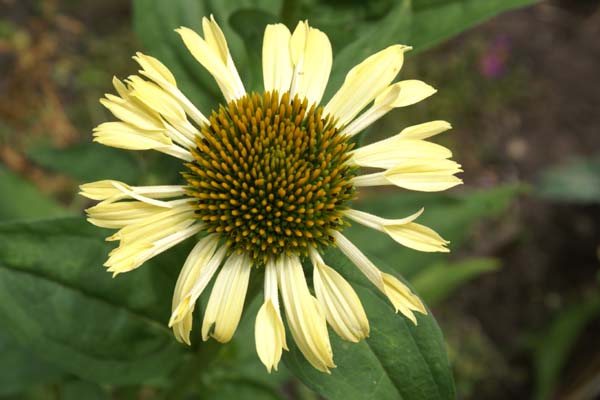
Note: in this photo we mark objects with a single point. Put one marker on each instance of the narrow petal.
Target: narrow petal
(269, 332)
(110, 191)
(153, 69)
(404, 231)
(305, 316)
(425, 175)
(364, 82)
(128, 258)
(342, 306)
(192, 271)
(125, 136)
(426, 130)
(154, 97)
(121, 214)
(182, 311)
(388, 153)
(400, 94)
(401, 297)
(226, 301)
(130, 110)
(312, 58)
(411, 92)
(210, 53)
(276, 58)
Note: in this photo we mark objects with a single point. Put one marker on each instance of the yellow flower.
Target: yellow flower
(269, 181)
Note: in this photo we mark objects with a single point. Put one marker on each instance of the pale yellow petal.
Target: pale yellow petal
(276, 58)
(416, 236)
(425, 175)
(411, 92)
(391, 152)
(312, 59)
(404, 231)
(305, 316)
(196, 268)
(364, 82)
(269, 334)
(426, 130)
(121, 214)
(342, 306)
(226, 301)
(132, 112)
(157, 99)
(154, 69)
(401, 297)
(125, 136)
(209, 53)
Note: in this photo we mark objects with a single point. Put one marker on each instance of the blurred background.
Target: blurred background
(517, 299)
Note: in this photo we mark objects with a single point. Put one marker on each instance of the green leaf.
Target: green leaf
(436, 282)
(58, 300)
(397, 361)
(78, 390)
(23, 200)
(453, 215)
(577, 182)
(438, 20)
(88, 162)
(21, 369)
(553, 346)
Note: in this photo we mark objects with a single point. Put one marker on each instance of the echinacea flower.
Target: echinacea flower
(269, 178)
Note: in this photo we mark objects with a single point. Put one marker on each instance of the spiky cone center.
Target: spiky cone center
(271, 176)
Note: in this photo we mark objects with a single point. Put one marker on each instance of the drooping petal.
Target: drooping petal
(401, 297)
(121, 214)
(389, 153)
(269, 332)
(404, 231)
(276, 58)
(199, 266)
(129, 257)
(425, 175)
(364, 82)
(425, 130)
(305, 316)
(226, 300)
(400, 94)
(110, 191)
(312, 58)
(342, 306)
(125, 136)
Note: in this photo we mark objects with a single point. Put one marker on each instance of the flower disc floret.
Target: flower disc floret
(271, 176)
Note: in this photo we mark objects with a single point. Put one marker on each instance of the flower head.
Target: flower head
(268, 180)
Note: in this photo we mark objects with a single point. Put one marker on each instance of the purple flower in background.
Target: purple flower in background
(492, 63)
